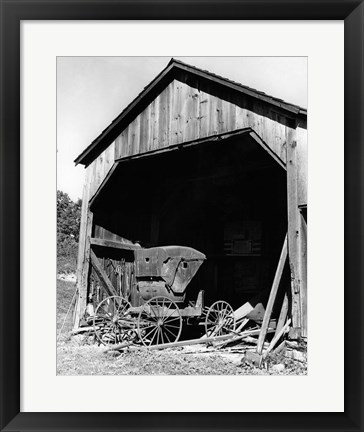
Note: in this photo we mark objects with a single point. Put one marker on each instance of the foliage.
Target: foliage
(68, 227)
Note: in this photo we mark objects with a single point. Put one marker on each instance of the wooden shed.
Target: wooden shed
(201, 161)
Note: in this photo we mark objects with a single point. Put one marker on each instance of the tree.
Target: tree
(68, 228)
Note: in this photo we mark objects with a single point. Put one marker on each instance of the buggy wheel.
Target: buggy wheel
(112, 322)
(159, 322)
(220, 319)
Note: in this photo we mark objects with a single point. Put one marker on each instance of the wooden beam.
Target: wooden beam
(113, 244)
(293, 229)
(283, 314)
(272, 296)
(83, 253)
(229, 337)
(276, 337)
(186, 144)
(303, 275)
(102, 274)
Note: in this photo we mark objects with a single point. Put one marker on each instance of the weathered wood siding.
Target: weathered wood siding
(99, 168)
(182, 113)
(302, 165)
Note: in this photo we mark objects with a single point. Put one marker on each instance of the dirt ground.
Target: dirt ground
(76, 355)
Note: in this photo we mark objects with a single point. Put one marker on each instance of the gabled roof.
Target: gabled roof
(173, 70)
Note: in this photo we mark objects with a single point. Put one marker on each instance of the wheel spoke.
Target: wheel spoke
(168, 308)
(174, 326)
(151, 332)
(173, 334)
(171, 319)
(167, 337)
(106, 330)
(162, 334)
(164, 314)
(219, 318)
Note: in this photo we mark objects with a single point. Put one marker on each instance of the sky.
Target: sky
(92, 91)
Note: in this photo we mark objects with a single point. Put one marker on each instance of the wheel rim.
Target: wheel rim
(220, 319)
(159, 322)
(111, 320)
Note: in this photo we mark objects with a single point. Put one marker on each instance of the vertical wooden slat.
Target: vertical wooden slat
(144, 130)
(133, 137)
(227, 116)
(240, 118)
(170, 112)
(121, 149)
(109, 160)
(184, 112)
(272, 297)
(155, 110)
(99, 170)
(194, 112)
(219, 116)
(205, 103)
(231, 121)
(303, 274)
(104, 279)
(179, 112)
(212, 116)
(282, 315)
(81, 242)
(162, 121)
(293, 231)
(174, 114)
(302, 164)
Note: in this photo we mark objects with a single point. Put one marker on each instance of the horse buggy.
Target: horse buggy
(154, 310)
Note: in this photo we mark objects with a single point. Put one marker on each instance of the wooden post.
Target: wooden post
(303, 275)
(293, 230)
(83, 253)
(272, 297)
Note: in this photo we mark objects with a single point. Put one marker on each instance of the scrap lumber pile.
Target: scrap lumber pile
(241, 340)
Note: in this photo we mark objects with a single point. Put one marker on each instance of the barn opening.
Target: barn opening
(226, 199)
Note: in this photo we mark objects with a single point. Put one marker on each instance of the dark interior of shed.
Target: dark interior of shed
(226, 199)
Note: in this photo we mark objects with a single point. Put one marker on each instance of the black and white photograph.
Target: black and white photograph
(182, 216)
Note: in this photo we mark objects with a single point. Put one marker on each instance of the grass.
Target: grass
(66, 264)
(79, 355)
(65, 294)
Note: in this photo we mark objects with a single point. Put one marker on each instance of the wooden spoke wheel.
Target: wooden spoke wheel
(220, 319)
(159, 322)
(112, 321)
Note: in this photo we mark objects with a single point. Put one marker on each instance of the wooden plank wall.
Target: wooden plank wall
(100, 167)
(181, 114)
(301, 154)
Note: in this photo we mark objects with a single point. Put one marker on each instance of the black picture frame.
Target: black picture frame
(12, 12)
